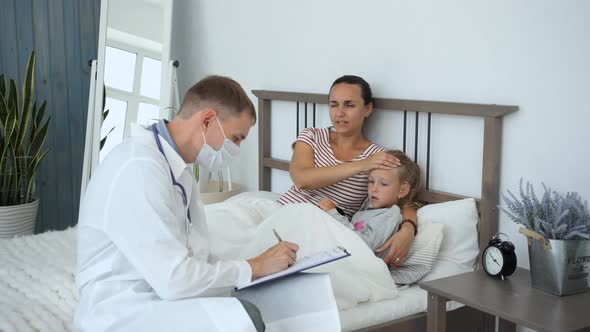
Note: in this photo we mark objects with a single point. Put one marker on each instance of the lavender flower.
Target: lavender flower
(554, 216)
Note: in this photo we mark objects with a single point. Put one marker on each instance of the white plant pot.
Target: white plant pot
(210, 192)
(18, 219)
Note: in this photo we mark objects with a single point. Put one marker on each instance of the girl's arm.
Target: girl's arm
(306, 176)
(375, 232)
(399, 243)
(329, 207)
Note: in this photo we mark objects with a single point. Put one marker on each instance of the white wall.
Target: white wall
(534, 54)
(143, 18)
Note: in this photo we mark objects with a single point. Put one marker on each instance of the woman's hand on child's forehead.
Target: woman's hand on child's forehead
(380, 160)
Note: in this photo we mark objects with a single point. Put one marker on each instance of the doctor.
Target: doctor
(143, 246)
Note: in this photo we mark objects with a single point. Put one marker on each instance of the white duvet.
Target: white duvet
(242, 228)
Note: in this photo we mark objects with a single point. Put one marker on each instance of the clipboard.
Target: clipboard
(305, 263)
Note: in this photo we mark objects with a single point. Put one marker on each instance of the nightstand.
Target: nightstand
(513, 300)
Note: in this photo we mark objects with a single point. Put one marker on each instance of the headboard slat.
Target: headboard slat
(277, 164)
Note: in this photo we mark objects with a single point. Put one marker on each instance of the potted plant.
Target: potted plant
(558, 230)
(215, 191)
(22, 135)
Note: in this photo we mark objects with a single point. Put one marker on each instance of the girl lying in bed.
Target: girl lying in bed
(362, 277)
(388, 191)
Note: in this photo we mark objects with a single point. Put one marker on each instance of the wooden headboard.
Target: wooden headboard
(492, 135)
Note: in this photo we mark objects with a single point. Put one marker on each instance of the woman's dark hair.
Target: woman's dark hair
(366, 92)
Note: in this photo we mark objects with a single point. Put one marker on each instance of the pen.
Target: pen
(277, 235)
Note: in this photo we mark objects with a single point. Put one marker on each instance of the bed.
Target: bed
(379, 316)
(37, 273)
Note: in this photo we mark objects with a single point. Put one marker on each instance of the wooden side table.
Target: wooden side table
(513, 300)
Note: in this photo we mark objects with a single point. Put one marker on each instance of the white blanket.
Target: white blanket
(37, 282)
(242, 228)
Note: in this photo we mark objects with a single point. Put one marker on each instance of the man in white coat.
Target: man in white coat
(144, 262)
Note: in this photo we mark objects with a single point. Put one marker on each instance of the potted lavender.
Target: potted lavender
(558, 230)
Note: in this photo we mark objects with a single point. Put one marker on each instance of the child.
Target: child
(388, 190)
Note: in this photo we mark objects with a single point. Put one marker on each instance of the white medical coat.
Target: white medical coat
(134, 270)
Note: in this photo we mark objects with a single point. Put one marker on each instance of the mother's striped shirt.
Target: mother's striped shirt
(347, 194)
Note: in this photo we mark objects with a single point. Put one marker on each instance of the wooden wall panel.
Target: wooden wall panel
(64, 35)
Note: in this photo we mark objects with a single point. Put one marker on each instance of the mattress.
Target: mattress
(411, 300)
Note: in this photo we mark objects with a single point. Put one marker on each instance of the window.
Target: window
(132, 82)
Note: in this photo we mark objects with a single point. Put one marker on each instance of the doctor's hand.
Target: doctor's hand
(274, 259)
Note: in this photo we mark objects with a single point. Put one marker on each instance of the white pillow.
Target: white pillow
(421, 256)
(460, 240)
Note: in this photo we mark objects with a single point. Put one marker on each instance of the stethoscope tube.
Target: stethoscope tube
(188, 222)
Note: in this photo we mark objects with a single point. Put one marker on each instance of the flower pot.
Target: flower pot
(210, 192)
(560, 267)
(18, 219)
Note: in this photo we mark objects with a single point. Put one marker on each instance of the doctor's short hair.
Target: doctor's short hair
(220, 93)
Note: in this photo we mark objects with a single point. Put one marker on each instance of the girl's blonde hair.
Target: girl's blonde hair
(409, 172)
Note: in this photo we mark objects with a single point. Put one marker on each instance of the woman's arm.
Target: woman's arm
(400, 242)
(306, 176)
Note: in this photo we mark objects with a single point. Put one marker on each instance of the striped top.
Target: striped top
(347, 194)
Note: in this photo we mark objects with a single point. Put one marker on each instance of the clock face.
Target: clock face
(493, 260)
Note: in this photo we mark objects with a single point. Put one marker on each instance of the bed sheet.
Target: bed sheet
(411, 300)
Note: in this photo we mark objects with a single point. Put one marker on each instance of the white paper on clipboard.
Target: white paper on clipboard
(305, 263)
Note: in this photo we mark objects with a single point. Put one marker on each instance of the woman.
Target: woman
(334, 162)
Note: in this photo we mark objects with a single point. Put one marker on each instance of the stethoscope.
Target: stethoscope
(188, 223)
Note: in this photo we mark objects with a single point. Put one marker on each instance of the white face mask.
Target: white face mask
(215, 160)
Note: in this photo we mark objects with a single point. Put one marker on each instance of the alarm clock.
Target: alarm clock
(498, 258)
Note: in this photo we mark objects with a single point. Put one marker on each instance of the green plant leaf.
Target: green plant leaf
(10, 126)
(33, 171)
(38, 140)
(3, 114)
(220, 178)
(12, 97)
(2, 85)
(104, 139)
(34, 111)
(11, 186)
(29, 83)
(196, 171)
(27, 103)
(5, 175)
(23, 126)
(39, 117)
